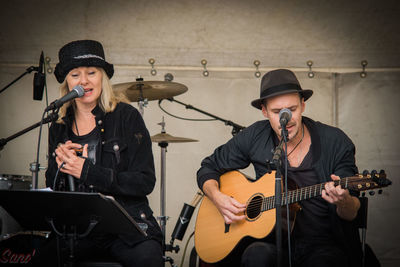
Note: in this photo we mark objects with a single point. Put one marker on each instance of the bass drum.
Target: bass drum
(22, 248)
(12, 182)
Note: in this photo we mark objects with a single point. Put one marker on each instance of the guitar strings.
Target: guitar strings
(294, 194)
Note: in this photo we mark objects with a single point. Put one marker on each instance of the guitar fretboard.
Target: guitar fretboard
(302, 194)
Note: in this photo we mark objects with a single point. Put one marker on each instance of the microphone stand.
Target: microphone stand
(236, 127)
(28, 70)
(278, 192)
(50, 118)
(33, 166)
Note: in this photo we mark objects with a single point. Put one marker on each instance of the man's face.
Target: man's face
(290, 101)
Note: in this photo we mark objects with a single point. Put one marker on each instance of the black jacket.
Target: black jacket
(333, 153)
(124, 165)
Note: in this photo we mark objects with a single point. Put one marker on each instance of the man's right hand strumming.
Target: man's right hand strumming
(230, 209)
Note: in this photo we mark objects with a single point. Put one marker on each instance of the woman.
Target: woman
(116, 157)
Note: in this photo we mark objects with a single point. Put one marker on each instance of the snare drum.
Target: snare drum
(15, 182)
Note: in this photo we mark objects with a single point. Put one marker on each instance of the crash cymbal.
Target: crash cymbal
(151, 90)
(167, 138)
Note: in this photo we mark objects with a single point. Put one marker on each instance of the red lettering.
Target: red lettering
(13, 258)
(30, 256)
(4, 256)
(9, 257)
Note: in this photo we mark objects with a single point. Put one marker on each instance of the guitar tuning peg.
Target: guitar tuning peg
(365, 172)
(373, 173)
(382, 173)
(380, 191)
(371, 193)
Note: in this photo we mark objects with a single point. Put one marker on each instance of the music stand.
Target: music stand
(79, 213)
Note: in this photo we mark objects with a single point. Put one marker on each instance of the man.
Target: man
(317, 153)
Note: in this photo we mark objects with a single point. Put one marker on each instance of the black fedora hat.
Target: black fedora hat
(279, 82)
(82, 53)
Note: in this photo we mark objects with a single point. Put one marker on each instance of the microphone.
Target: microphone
(39, 80)
(185, 216)
(77, 91)
(285, 115)
(183, 222)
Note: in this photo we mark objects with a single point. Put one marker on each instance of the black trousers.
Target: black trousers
(263, 254)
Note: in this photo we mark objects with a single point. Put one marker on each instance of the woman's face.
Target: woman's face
(90, 78)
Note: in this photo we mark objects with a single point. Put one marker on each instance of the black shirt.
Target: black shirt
(313, 220)
(93, 141)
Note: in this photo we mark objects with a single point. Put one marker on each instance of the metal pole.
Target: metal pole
(163, 218)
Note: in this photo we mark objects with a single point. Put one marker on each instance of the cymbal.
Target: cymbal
(167, 138)
(152, 90)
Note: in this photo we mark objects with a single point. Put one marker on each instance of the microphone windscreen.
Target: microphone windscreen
(38, 86)
(39, 80)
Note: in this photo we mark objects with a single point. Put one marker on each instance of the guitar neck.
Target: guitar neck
(302, 194)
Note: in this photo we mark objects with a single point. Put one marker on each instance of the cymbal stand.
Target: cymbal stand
(163, 218)
(142, 101)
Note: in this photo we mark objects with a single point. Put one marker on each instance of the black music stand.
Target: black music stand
(77, 213)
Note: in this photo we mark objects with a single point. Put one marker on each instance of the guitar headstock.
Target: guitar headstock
(369, 181)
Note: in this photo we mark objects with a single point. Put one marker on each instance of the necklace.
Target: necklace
(298, 142)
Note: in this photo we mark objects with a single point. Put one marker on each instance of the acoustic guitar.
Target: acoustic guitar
(214, 239)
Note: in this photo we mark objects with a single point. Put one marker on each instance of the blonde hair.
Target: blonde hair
(107, 101)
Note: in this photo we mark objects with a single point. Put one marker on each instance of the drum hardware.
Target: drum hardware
(188, 210)
(236, 127)
(144, 91)
(163, 139)
(32, 168)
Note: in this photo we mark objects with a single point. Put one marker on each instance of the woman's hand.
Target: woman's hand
(72, 163)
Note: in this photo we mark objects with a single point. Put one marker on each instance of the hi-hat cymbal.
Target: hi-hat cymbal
(167, 138)
(151, 90)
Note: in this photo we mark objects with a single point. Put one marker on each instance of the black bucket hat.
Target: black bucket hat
(279, 82)
(82, 53)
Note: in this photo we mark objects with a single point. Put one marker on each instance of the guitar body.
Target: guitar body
(214, 240)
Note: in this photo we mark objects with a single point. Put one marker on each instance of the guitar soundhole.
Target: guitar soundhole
(253, 209)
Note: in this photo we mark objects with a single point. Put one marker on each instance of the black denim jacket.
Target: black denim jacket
(124, 165)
